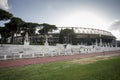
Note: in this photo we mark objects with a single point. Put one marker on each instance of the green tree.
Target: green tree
(67, 36)
(61, 37)
(29, 27)
(46, 28)
(13, 26)
(4, 34)
(4, 15)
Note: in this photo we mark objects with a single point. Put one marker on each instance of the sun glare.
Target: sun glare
(84, 19)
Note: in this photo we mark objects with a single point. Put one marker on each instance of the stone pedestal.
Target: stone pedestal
(101, 43)
(26, 39)
(96, 43)
(46, 41)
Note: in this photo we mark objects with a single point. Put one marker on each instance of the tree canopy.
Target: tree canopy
(67, 36)
(29, 27)
(4, 15)
(46, 28)
(14, 25)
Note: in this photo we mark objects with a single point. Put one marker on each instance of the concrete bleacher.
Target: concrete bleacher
(32, 51)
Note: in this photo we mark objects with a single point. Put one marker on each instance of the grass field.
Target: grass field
(108, 69)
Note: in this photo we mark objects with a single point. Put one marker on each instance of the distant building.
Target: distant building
(86, 36)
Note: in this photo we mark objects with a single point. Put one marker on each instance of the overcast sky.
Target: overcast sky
(99, 14)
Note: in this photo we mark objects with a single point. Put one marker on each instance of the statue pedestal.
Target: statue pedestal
(26, 43)
(46, 43)
(26, 40)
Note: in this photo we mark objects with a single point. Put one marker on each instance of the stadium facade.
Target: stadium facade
(84, 36)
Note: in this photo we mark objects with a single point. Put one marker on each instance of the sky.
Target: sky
(98, 14)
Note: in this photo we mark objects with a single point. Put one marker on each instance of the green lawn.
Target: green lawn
(66, 70)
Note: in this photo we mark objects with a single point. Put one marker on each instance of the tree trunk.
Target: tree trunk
(12, 38)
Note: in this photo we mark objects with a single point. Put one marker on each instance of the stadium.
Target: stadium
(85, 36)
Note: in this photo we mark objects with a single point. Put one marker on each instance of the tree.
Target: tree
(4, 15)
(67, 35)
(46, 28)
(13, 26)
(29, 27)
(61, 37)
(4, 34)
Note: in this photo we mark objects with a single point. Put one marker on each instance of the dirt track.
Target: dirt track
(23, 62)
